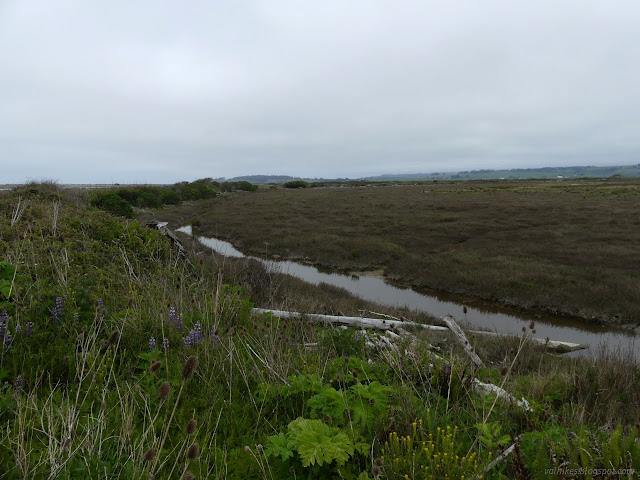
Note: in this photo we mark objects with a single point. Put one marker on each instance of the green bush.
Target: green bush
(242, 185)
(112, 203)
(170, 197)
(129, 194)
(149, 199)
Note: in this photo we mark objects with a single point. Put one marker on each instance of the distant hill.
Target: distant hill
(514, 173)
(264, 178)
(519, 173)
(260, 179)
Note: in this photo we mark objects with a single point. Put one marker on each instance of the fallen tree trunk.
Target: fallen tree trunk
(462, 339)
(555, 346)
(362, 322)
(382, 324)
(164, 230)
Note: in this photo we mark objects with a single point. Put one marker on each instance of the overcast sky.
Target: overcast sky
(163, 91)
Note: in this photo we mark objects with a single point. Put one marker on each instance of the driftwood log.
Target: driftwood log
(462, 339)
(164, 230)
(362, 322)
(384, 324)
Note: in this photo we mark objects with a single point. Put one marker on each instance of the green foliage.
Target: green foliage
(170, 197)
(489, 434)
(241, 185)
(316, 450)
(345, 342)
(296, 184)
(369, 403)
(319, 443)
(330, 403)
(7, 272)
(561, 449)
(149, 199)
(112, 203)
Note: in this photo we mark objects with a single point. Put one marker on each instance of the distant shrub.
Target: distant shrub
(112, 203)
(129, 194)
(169, 197)
(204, 190)
(241, 185)
(191, 194)
(149, 199)
(296, 184)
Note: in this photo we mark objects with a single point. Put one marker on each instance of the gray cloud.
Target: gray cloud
(159, 92)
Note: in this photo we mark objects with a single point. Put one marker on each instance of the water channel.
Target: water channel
(479, 315)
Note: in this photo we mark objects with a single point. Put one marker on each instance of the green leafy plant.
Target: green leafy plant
(7, 272)
(489, 434)
(312, 444)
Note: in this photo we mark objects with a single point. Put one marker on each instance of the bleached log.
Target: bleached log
(489, 388)
(361, 322)
(462, 339)
(556, 346)
(399, 327)
(501, 457)
(164, 230)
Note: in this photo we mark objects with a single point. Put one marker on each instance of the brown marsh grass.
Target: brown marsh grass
(551, 246)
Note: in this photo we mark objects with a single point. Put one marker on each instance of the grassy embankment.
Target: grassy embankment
(120, 360)
(558, 247)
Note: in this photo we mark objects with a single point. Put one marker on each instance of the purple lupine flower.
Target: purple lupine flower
(165, 344)
(174, 319)
(76, 318)
(152, 343)
(18, 329)
(58, 310)
(3, 323)
(197, 332)
(18, 383)
(6, 344)
(28, 330)
(100, 303)
(194, 337)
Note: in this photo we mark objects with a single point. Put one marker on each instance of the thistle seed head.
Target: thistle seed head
(149, 455)
(155, 366)
(193, 451)
(191, 426)
(189, 367)
(163, 391)
(113, 338)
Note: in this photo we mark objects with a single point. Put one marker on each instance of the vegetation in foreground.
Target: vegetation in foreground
(558, 247)
(118, 359)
